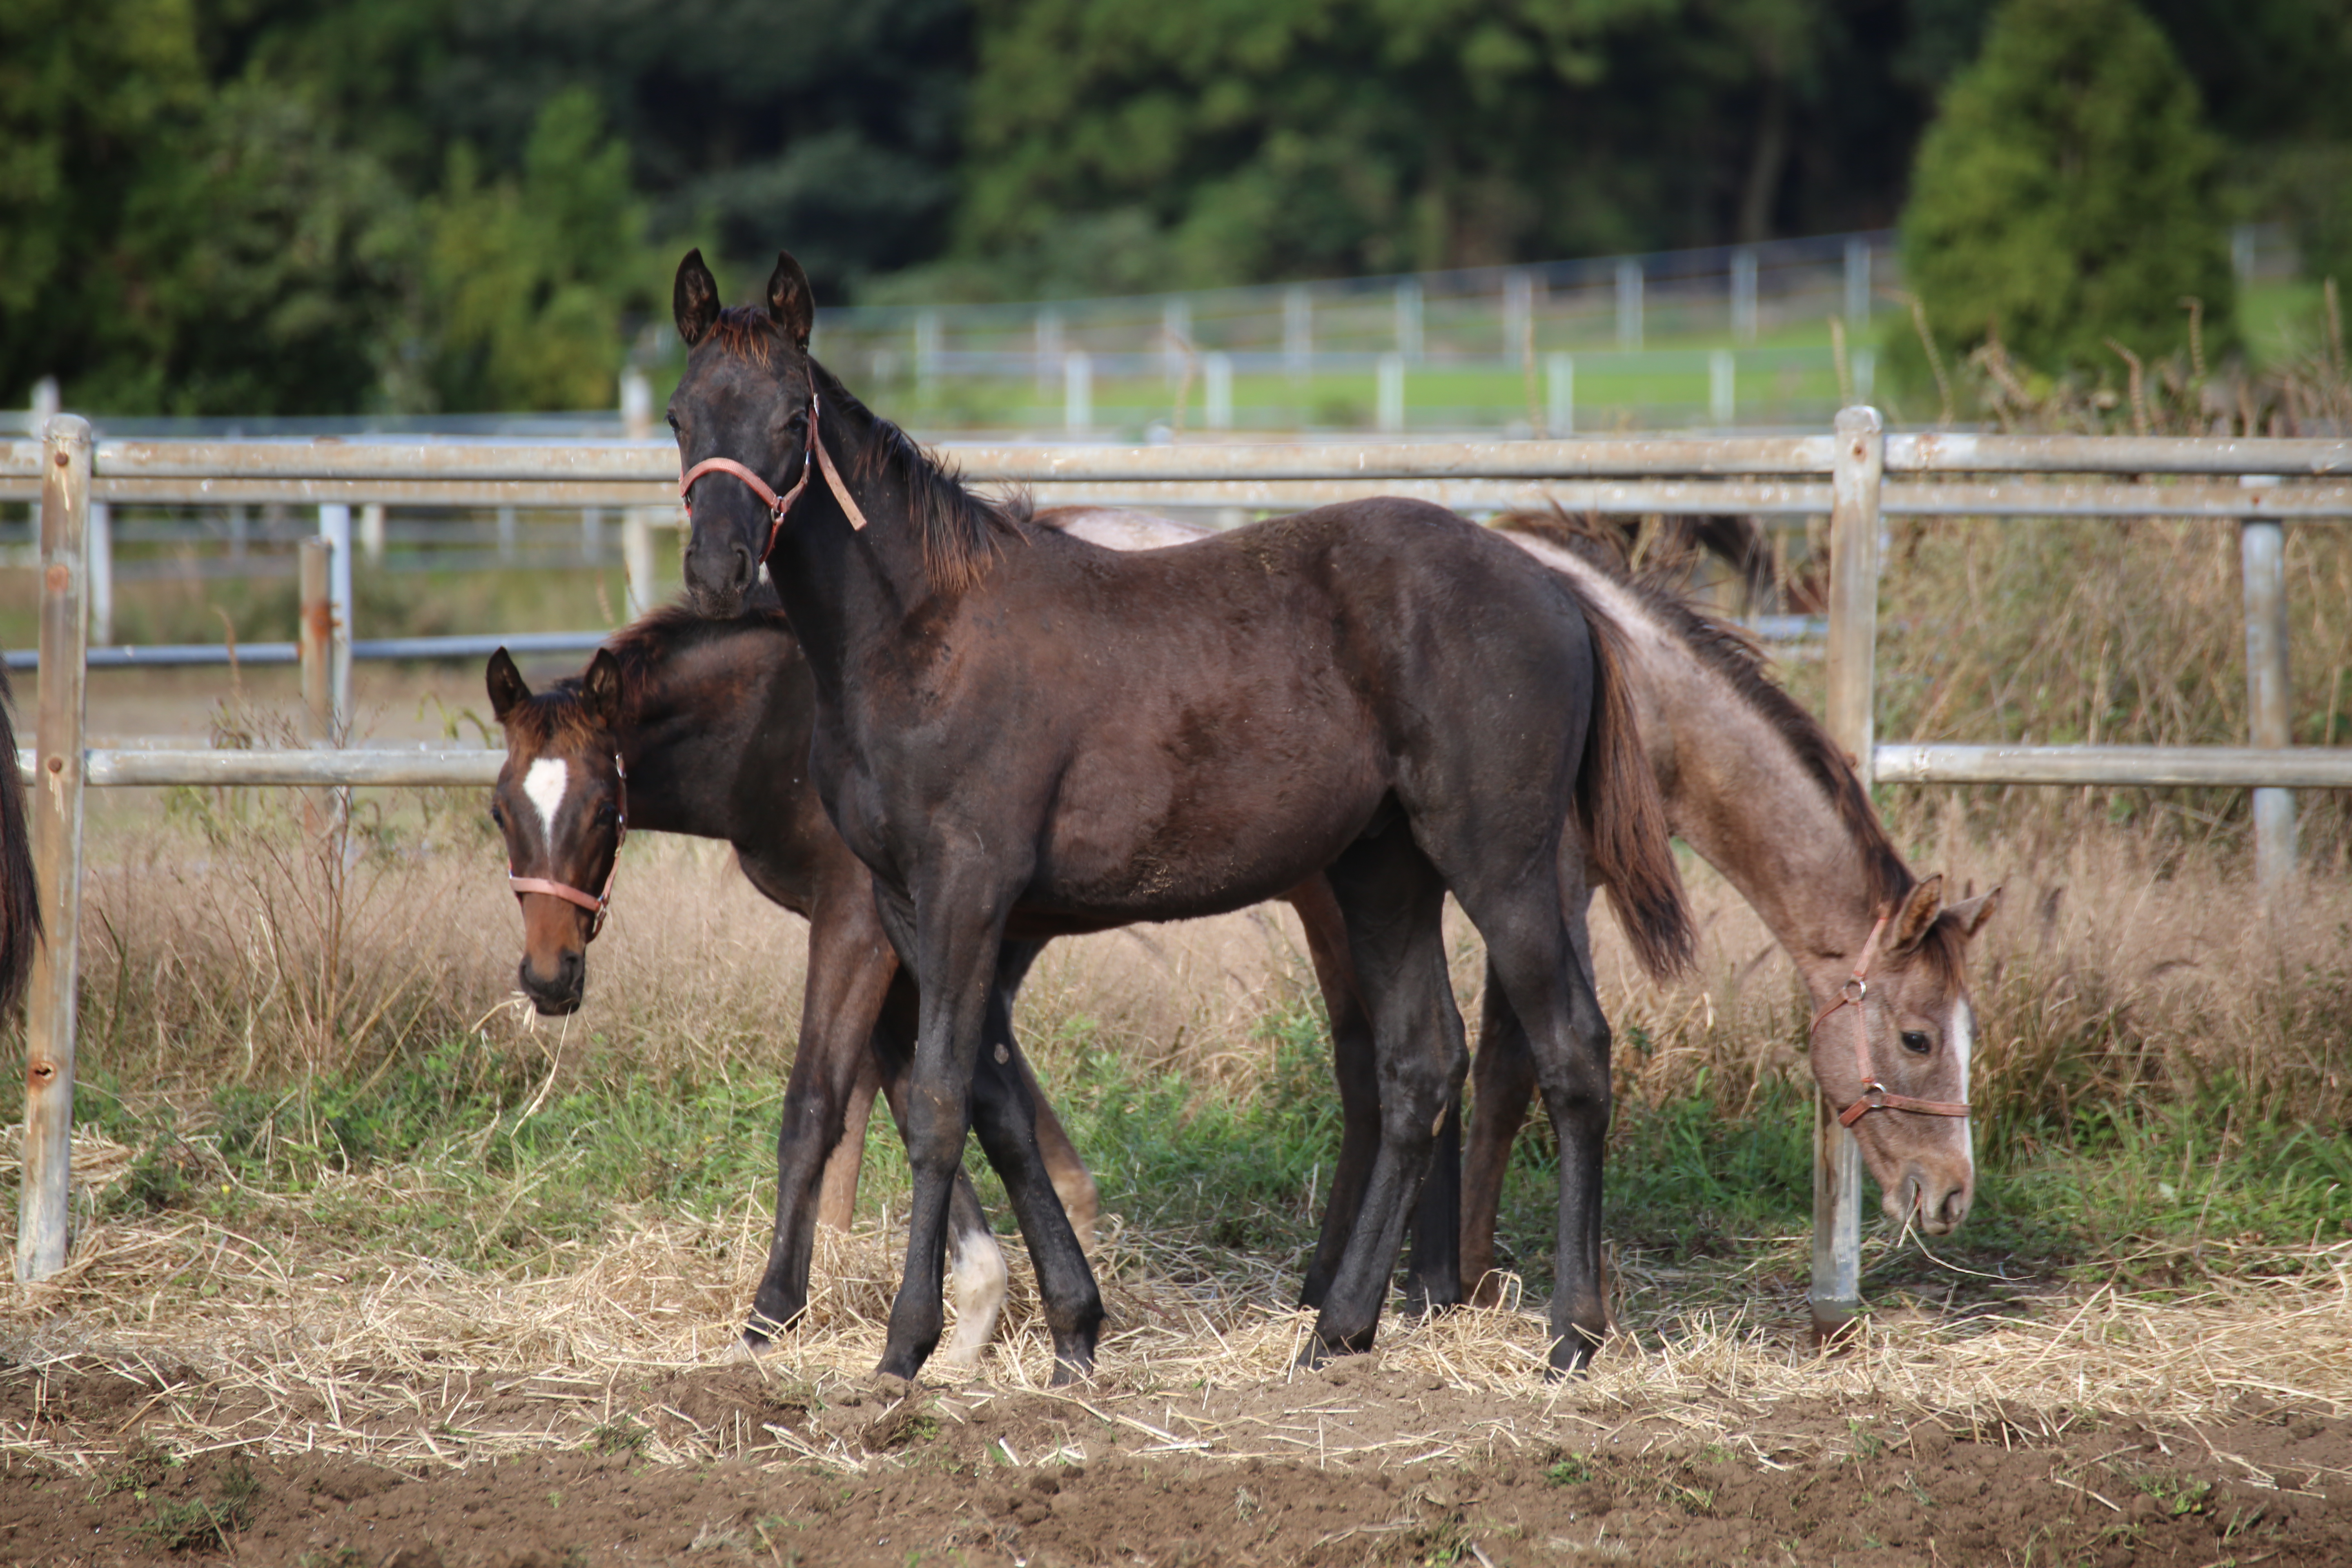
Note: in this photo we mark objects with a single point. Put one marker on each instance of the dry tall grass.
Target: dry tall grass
(2126, 966)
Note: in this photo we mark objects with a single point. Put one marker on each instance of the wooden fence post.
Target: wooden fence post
(44, 1226)
(1852, 661)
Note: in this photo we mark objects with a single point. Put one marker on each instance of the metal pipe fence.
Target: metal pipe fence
(1857, 476)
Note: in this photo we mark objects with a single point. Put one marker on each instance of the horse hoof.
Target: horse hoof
(1430, 1304)
(1571, 1356)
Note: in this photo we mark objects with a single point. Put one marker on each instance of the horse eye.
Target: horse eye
(673, 420)
(1917, 1043)
(497, 815)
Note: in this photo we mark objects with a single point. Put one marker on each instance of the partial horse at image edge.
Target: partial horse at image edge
(20, 898)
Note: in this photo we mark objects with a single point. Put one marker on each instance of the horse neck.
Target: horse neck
(847, 592)
(686, 740)
(1737, 792)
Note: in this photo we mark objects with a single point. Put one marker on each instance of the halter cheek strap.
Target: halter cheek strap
(594, 903)
(778, 505)
(1875, 1096)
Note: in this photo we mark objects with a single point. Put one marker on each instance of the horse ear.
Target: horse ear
(791, 303)
(1918, 913)
(1972, 913)
(694, 298)
(599, 689)
(507, 691)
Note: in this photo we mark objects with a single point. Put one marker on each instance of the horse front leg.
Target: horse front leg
(850, 968)
(949, 936)
(975, 1262)
(1073, 1182)
(1433, 1275)
(1006, 1118)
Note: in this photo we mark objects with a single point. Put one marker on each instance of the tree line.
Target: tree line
(280, 206)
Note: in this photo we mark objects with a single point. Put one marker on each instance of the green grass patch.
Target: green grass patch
(2147, 1194)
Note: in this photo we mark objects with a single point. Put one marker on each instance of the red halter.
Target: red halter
(594, 903)
(1875, 1096)
(778, 505)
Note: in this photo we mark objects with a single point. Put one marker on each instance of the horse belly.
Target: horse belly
(1126, 845)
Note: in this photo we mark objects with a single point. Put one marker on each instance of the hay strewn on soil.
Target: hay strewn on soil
(271, 1341)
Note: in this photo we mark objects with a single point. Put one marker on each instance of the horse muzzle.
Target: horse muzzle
(718, 580)
(555, 993)
(1935, 1203)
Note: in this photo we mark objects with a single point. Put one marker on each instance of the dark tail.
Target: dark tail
(20, 900)
(1625, 819)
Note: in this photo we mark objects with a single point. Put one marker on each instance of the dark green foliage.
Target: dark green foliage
(1116, 146)
(303, 206)
(86, 92)
(525, 281)
(2065, 195)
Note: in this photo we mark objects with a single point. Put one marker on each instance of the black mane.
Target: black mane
(961, 530)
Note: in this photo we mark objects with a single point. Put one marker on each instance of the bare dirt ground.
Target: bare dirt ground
(176, 1397)
(1350, 1464)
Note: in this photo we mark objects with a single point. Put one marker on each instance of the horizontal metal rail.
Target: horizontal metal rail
(1946, 453)
(213, 462)
(136, 768)
(1760, 497)
(2151, 767)
(161, 655)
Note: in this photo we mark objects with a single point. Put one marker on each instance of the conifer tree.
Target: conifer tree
(2065, 195)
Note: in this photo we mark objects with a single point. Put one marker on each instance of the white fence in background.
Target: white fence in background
(1856, 477)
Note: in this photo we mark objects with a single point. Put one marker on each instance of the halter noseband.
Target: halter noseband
(778, 505)
(1875, 1096)
(594, 903)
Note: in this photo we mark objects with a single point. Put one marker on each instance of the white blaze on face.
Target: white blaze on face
(1963, 1037)
(545, 783)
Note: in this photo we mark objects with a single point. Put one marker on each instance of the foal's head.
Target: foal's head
(563, 804)
(748, 396)
(1917, 1035)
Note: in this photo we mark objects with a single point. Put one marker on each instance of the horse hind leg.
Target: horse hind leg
(1549, 990)
(1392, 899)
(837, 1204)
(1502, 1086)
(1355, 1071)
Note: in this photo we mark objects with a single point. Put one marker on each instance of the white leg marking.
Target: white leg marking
(545, 783)
(978, 1283)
